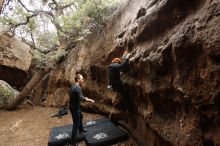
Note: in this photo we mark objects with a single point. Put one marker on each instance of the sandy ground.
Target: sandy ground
(30, 126)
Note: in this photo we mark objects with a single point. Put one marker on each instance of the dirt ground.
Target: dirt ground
(30, 126)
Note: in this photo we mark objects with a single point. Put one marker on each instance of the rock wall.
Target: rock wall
(15, 58)
(174, 74)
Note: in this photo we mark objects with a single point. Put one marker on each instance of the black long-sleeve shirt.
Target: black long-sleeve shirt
(114, 72)
(76, 96)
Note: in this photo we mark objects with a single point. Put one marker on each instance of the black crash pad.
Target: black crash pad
(100, 132)
(103, 134)
(62, 135)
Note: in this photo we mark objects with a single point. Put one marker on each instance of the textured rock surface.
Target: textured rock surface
(15, 59)
(175, 64)
(7, 94)
(1, 4)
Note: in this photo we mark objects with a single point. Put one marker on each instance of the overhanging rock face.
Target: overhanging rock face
(15, 58)
(173, 79)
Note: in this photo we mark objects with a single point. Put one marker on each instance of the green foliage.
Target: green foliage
(89, 17)
(8, 21)
(76, 21)
(46, 39)
(32, 24)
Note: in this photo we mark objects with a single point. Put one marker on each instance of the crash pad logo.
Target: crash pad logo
(100, 136)
(62, 136)
(91, 123)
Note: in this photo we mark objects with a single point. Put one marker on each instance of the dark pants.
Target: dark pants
(123, 91)
(77, 124)
(120, 88)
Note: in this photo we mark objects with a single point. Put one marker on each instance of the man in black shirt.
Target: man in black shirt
(76, 96)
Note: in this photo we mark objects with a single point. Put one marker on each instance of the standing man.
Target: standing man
(76, 96)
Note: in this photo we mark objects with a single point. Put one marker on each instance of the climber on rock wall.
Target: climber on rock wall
(115, 82)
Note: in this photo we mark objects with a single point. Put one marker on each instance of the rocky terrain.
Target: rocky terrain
(173, 77)
(15, 58)
(31, 126)
(175, 50)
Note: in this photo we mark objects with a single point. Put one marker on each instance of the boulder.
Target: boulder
(7, 94)
(15, 58)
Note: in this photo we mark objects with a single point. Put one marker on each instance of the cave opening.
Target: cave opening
(13, 76)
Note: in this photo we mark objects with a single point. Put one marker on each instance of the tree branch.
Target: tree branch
(4, 4)
(97, 9)
(24, 6)
(32, 38)
(68, 5)
(36, 11)
(59, 7)
(23, 23)
(39, 12)
(51, 5)
(55, 2)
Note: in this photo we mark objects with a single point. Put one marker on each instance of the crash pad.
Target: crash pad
(60, 136)
(103, 134)
(100, 132)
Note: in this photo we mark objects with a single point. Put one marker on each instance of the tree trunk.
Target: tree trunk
(27, 89)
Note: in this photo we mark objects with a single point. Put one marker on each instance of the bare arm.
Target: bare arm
(89, 100)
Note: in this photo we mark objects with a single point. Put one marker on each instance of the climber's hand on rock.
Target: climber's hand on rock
(131, 59)
(128, 55)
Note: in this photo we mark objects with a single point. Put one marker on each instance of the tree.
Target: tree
(62, 19)
(44, 24)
